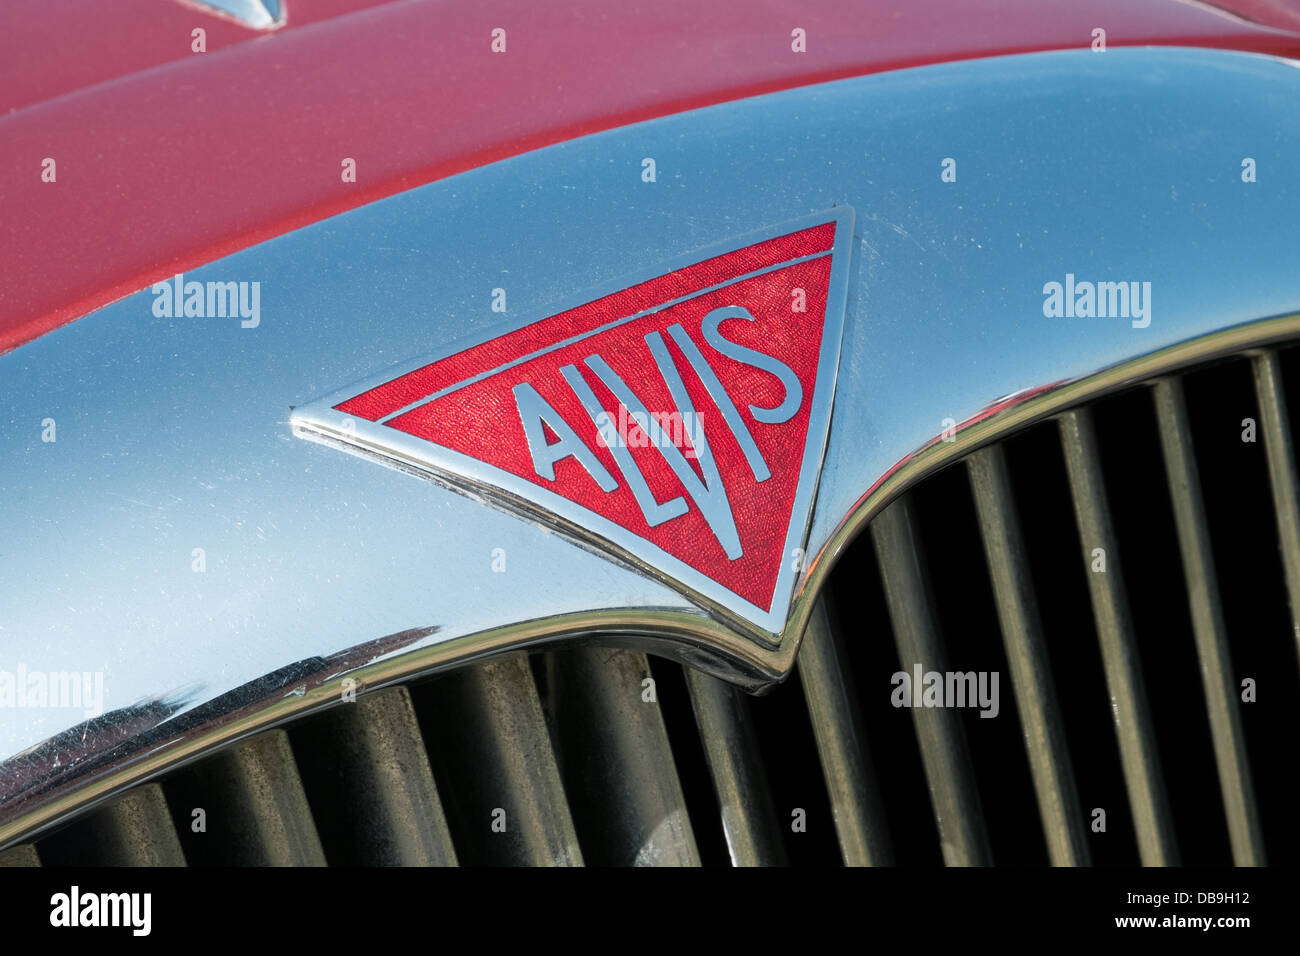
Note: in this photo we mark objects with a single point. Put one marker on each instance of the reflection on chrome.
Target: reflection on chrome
(174, 434)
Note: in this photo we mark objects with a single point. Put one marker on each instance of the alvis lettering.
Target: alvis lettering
(679, 420)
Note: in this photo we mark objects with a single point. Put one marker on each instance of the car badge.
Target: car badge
(675, 421)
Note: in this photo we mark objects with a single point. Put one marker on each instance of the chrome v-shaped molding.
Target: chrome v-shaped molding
(212, 573)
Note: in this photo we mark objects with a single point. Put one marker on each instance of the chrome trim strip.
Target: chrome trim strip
(313, 556)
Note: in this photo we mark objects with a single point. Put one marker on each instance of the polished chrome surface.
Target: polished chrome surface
(257, 14)
(173, 435)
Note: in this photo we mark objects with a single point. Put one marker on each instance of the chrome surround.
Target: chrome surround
(320, 421)
(255, 14)
(318, 556)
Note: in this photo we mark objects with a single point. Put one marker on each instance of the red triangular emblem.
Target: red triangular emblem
(673, 412)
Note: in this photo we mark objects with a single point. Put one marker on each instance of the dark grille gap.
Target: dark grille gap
(968, 620)
(586, 773)
(867, 641)
(1058, 568)
(255, 807)
(843, 747)
(1197, 554)
(491, 750)
(134, 830)
(1243, 527)
(945, 755)
(789, 753)
(692, 767)
(1147, 543)
(1279, 447)
(367, 776)
(1037, 704)
(1121, 657)
(616, 761)
(722, 714)
(1275, 385)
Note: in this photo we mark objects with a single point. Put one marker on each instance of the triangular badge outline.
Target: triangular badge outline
(367, 418)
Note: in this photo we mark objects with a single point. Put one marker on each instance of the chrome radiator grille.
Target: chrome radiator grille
(1121, 692)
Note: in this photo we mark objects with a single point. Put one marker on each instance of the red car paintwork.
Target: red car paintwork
(166, 161)
(101, 40)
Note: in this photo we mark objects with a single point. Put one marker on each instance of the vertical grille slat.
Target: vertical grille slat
(1280, 454)
(1043, 726)
(842, 746)
(736, 767)
(24, 854)
(1133, 726)
(489, 739)
(622, 779)
(949, 774)
(372, 791)
(135, 829)
(255, 807)
(1207, 624)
